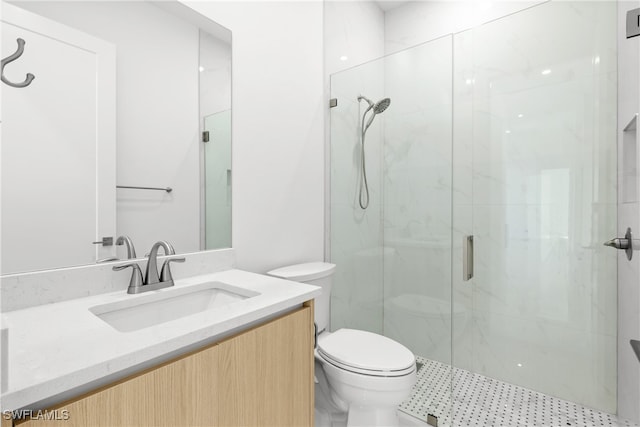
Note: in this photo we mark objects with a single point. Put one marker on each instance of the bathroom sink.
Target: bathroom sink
(169, 304)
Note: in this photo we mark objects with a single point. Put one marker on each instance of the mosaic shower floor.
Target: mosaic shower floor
(483, 401)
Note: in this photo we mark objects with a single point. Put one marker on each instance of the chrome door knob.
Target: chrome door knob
(618, 243)
(624, 243)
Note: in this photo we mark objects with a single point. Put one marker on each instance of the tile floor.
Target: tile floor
(482, 401)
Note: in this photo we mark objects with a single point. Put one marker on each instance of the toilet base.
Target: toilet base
(357, 417)
(366, 416)
(362, 407)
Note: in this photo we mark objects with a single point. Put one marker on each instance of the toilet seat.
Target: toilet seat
(366, 353)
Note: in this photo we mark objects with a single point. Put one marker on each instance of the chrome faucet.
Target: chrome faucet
(151, 276)
(152, 281)
(126, 240)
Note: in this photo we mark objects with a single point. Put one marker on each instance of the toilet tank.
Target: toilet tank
(312, 273)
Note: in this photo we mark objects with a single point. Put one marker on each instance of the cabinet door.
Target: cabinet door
(266, 374)
(180, 393)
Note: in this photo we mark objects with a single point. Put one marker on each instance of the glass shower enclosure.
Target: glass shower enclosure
(505, 132)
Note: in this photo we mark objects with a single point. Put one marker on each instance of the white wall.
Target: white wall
(151, 150)
(278, 109)
(353, 34)
(215, 75)
(628, 216)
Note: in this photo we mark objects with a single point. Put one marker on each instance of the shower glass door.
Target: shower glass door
(217, 175)
(393, 258)
(417, 218)
(357, 246)
(535, 185)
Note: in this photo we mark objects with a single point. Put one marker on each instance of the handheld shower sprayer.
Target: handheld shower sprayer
(378, 108)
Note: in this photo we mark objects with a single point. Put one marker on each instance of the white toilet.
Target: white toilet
(362, 377)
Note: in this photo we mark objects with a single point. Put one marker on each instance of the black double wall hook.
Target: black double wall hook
(12, 58)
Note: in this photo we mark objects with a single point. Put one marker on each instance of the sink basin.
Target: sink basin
(168, 304)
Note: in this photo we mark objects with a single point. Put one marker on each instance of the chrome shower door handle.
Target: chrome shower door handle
(467, 258)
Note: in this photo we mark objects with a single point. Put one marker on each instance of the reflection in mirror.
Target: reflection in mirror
(218, 179)
(215, 117)
(123, 95)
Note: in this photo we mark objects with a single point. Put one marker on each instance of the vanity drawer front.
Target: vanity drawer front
(260, 377)
(179, 393)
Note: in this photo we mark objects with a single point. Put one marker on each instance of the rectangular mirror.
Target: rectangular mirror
(108, 137)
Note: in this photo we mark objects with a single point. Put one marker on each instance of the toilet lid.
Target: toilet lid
(367, 353)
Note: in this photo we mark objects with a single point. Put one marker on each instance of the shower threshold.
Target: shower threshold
(484, 401)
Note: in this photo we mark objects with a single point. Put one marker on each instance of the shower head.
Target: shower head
(378, 108)
(381, 105)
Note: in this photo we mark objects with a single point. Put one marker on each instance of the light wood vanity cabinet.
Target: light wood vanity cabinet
(260, 377)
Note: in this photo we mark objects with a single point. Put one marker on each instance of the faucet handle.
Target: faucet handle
(165, 275)
(136, 281)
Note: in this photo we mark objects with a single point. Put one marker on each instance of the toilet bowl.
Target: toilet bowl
(362, 376)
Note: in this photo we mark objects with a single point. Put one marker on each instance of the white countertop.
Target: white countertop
(59, 350)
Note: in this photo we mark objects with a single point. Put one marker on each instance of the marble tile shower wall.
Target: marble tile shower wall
(417, 198)
(540, 181)
(356, 234)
